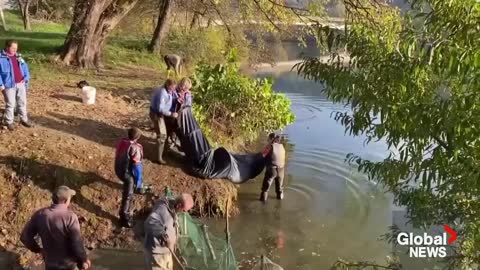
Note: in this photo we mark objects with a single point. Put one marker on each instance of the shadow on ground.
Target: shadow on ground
(49, 176)
(104, 134)
(88, 129)
(67, 97)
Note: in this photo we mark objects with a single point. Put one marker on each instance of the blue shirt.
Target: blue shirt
(161, 102)
(6, 70)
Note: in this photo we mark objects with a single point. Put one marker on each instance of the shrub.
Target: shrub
(236, 105)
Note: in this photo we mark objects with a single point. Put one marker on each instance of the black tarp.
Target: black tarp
(214, 163)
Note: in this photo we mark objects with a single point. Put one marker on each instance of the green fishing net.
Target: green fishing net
(201, 250)
(198, 248)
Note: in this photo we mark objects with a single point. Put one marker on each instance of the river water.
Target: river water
(330, 210)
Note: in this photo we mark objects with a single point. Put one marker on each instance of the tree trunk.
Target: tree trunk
(195, 20)
(93, 20)
(24, 8)
(37, 7)
(163, 25)
(4, 24)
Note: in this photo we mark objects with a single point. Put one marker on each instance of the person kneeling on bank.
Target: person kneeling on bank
(274, 153)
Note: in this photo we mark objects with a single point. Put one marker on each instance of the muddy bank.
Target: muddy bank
(73, 144)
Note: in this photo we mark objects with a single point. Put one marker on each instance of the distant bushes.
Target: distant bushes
(228, 103)
(204, 45)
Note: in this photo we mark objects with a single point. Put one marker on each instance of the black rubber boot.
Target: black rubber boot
(280, 196)
(126, 221)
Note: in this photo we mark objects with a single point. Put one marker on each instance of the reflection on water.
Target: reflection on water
(330, 210)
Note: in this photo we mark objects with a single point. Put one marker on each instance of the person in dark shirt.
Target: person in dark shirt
(59, 229)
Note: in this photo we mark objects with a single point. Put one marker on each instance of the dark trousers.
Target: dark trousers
(127, 196)
(273, 173)
(171, 126)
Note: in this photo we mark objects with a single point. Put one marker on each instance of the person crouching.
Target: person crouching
(129, 168)
(274, 153)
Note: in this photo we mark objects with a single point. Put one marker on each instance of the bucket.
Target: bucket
(88, 95)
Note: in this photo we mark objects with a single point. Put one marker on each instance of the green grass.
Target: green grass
(46, 38)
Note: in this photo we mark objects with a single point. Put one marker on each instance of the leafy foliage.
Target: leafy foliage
(414, 81)
(207, 45)
(234, 104)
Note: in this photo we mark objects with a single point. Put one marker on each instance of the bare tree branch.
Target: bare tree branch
(221, 17)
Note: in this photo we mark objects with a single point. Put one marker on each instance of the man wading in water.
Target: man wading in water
(274, 154)
(161, 231)
(59, 229)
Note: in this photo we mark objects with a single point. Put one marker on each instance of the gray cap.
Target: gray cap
(63, 193)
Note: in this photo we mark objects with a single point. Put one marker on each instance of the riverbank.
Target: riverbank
(73, 144)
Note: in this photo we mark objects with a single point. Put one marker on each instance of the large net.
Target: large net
(201, 250)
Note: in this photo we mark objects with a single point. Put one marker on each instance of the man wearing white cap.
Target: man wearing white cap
(59, 229)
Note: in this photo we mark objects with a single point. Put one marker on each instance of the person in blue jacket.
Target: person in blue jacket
(160, 105)
(14, 79)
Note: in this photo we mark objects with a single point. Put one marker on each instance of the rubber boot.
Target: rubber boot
(161, 147)
(280, 196)
(263, 196)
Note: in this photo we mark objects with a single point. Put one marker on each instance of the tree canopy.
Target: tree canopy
(414, 81)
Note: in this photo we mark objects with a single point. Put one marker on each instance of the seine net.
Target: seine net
(201, 250)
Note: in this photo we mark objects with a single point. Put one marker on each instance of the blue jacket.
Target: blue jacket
(6, 70)
(161, 102)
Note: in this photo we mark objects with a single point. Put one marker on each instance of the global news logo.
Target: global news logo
(427, 246)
